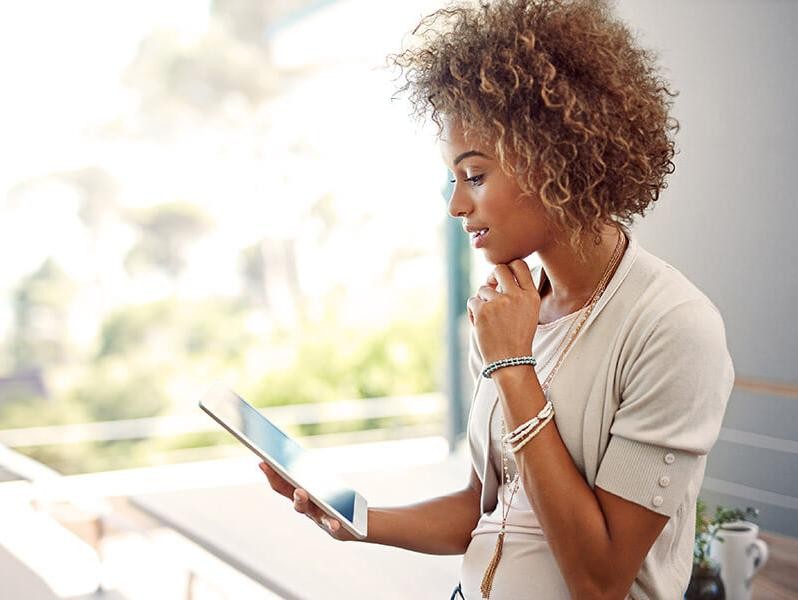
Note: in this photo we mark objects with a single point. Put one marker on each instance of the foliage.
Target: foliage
(188, 83)
(101, 394)
(213, 326)
(85, 457)
(41, 304)
(107, 398)
(333, 363)
(38, 411)
(166, 230)
(143, 349)
(706, 528)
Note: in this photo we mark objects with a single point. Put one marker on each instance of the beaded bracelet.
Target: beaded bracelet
(522, 430)
(507, 362)
(533, 434)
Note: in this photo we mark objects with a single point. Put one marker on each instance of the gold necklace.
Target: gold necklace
(487, 580)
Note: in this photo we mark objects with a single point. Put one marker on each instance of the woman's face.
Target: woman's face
(499, 221)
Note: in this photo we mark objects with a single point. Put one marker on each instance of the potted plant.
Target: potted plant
(705, 581)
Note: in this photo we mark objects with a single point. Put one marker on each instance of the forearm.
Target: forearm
(568, 510)
(441, 525)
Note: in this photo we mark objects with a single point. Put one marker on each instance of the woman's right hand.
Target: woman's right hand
(302, 504)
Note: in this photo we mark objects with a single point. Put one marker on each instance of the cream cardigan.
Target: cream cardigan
(639, 401)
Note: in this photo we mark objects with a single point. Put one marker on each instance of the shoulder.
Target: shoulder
(675, 350)
(657, 295)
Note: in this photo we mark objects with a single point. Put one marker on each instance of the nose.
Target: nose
(459, 203)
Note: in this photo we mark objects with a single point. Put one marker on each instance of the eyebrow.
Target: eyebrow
(468, 154)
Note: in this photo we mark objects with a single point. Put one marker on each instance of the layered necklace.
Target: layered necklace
(570, 336)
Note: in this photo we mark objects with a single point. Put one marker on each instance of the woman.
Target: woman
(585, 471)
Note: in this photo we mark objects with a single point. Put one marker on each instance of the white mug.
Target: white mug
(741, 555)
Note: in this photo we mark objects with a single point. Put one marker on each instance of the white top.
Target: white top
(523, 533)
(638, 401)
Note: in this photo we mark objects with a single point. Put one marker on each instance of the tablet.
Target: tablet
(300, 467)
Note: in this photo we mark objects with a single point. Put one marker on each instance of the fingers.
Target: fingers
(279, 485)
(522, 274)
(512, 276)
(487, 293)
(505, 278)
(474, 304)
(332, 525)
(302, 504)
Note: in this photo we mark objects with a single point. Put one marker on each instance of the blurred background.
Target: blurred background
(224, 189)
(199, 190)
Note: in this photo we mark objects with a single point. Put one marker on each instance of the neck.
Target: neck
(570, 280)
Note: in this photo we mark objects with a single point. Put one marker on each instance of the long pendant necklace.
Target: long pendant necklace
(587, 308)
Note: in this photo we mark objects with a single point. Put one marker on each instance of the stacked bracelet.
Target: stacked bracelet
(520, 432)
(507, 362)
(543, 423)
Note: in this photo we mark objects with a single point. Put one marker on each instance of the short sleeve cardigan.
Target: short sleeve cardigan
(639, 401)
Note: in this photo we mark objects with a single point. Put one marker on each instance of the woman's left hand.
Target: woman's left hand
(504, 312)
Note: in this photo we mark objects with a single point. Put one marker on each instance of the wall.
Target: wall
(728, 220)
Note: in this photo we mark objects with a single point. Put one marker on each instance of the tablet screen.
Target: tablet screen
(303, 465)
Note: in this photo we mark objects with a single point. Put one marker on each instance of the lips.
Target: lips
(474, 229)
(478, 235)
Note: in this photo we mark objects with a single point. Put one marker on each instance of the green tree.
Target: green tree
(186, 330)
(165, 232)
(41, 304)
(333, 363)
(106, 396)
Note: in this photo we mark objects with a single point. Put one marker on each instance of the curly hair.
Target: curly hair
(573, 107)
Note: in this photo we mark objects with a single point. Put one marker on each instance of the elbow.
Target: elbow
(466, 538)
(458, 544)
(464, 547)
(591, 593)
(605, 579)
(594, 593)
(592, 588)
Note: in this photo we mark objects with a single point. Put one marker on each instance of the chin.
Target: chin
(505, 258)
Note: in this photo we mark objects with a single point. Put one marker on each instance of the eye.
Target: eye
(474, 181)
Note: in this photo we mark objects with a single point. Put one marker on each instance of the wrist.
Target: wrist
(512, 373)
